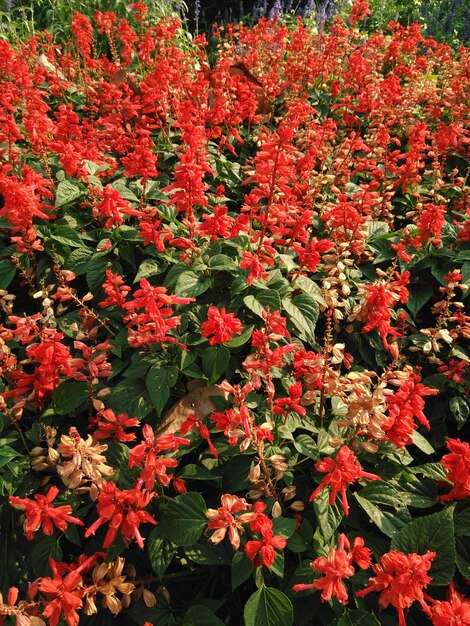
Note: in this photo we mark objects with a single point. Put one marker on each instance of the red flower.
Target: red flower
(66, 595)
(263, 551)
(222, 519)
(453, 612)
(336, 566)
(112, 426)
(192, 422)
(403, 407)
(220, 326)
(282, 406)
(40, 513)
(148, 453)
(455, 370)
(341, 472)
(400, 578)
(123, 511)
(457, 464)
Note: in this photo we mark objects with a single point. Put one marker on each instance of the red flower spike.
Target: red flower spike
(340, 473)
(40, 513)
(220, 326)
(455, 611)
(123, 511)
(457, 464)
(400, 579)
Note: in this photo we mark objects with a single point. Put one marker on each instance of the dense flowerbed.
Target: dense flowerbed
(232, 352)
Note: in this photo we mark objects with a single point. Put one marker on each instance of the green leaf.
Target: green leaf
(329, 516)
(277, 567)
(463, 557)
(41, 552)
(431, 470)
(419, 295)
(268, 607)
(66, 235)
(125, 192)
(242, 568)
(284, 526)
(190, 284)
(159, 380)
(131, 397)
(184, 519)
(422, 443)
(206, 555)
(68, 396)
(241, 339)
(303, 312)
(149, 267)
(214, 362)
(200, 615)
(7, 272)
(95, 271)
(310, 289)
(436, 533)
(160, 550)
(66, 192)
(221, 262)
(460, 410)
(263, 298)
(357, 617)
(388, 523)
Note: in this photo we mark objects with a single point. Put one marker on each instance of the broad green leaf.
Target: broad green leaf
(64, 234)
(159, 380)
(242, 568)
(268, 607)
(221, 262)
(310, 289)
(160, 550)
(419, 295)
(303, 312)
(264, 298)
(125, 192)
(190, 284)
(284, 526)
(68, 396)
(184, 519)
(200, 615)
(7, 271)
(357, 617)
(436, 533)
(460, 410)
(214, 361)
(329, 516)
(42, 550)
(149, 267)
(95, 271)
(422, 443)
(131, 397)
(277, 567)
(207, 555)
(463, 557)
(388, 523)
(241, 339)
(66, 192)
(380, 492)
(431, 470)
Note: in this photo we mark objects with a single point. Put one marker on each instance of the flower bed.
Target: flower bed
(233, 353)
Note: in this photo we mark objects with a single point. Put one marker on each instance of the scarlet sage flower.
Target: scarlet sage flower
(124, 512)
(455, 611)
(220, 326)
(457, 464)
(148, 452)
(263, 551)
(340, 473)
(222, 519)
(40, 513)
(112, 426)
(65, 595)
(282, 406)
(400, 579)
(337, 566)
